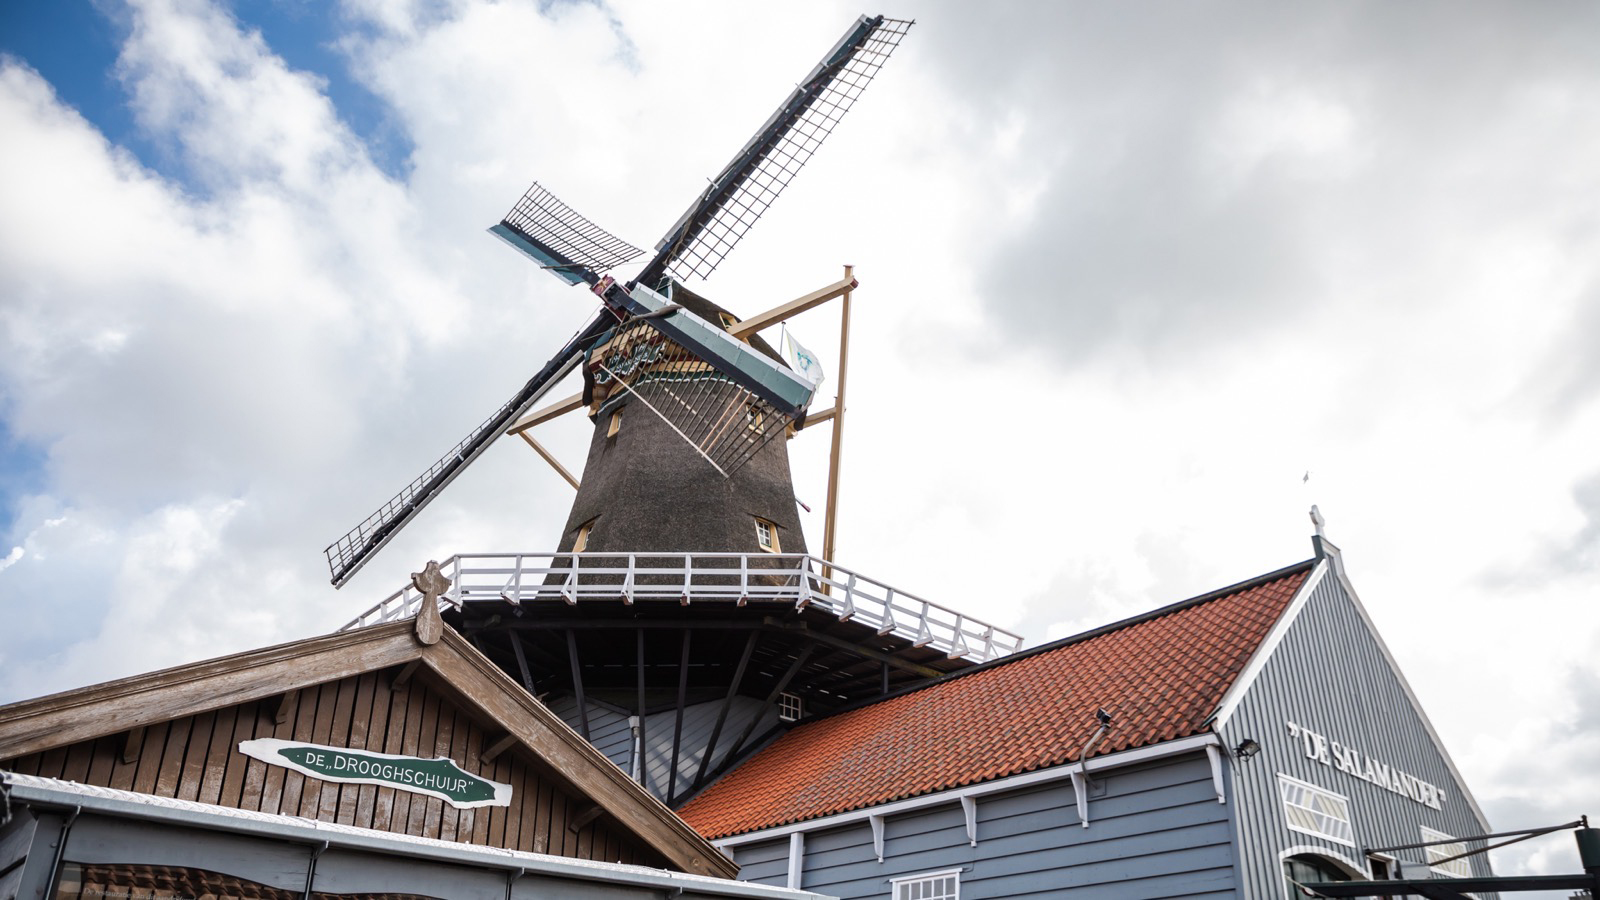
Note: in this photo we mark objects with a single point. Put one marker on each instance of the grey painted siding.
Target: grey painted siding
(1155, 830)
(1330, 675)
(610, 733)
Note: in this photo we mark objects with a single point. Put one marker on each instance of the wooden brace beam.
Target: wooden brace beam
(793, 308)
(497, 748)
(558, 408)
(539, 449)
(284, 706)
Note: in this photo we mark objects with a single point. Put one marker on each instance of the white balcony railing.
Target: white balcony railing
(685, 578)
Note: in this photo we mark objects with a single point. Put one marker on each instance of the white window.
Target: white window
(791, 707)
(1459, 868)
(944, 885)
(616, 423)
(766, 535)
(1317, 811)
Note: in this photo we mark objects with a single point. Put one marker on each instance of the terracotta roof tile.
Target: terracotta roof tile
(1160, 675)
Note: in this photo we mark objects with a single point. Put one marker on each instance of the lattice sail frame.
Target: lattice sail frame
(769, 161)
(560, 238)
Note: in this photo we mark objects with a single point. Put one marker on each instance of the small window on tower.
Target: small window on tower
(581, 542)
(616, 423)
(753, 417)
(728, 321)
(791, 707)
(767, 535)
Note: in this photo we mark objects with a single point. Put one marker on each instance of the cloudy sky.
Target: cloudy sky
(1130, 273)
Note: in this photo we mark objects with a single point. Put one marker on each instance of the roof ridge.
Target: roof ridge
(1081, 636)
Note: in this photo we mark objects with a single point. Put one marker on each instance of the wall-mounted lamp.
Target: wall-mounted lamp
(1247, 748)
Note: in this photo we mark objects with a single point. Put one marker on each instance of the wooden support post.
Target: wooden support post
(727, 703)
(283, 706)
(677, 731)
(772, 699)
(399, 681)
(577, 684)
(539, 449)
(498, 747)
(830, 520)
(585, 816)
(133, 742)
(522, 662)
(639, 637)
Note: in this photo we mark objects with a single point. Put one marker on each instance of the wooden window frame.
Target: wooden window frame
(615, 424)
(581, 542)
(772, 543)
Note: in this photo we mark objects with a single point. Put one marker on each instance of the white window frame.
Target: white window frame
(791, 707)
(1441, 851)
(1349, 825)
(581, 542)
(900, 888)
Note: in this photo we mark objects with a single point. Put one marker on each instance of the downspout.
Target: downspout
(638, 750)
(311, 870)
(1080, 775)
(61, 850)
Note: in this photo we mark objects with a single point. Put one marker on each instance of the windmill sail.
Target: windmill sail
(560, 239)
(348, 554)
(737, 197)
(722, 398)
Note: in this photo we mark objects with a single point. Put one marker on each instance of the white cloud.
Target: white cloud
(1121, 286)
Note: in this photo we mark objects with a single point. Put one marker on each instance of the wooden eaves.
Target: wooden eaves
(455, 666)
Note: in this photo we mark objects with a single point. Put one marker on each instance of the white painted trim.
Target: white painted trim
(1214, 753)
(969, 805)
(1327, 853)
(797, 858)
(895, 882)
(1179, 747)
(877, 835)
(167, 811)
(1461, 783)
(1343, 798)
(1268, 645)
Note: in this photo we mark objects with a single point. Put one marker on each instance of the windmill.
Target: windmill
(724, 398)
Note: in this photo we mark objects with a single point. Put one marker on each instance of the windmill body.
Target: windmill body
(644, 488)
(678, 622)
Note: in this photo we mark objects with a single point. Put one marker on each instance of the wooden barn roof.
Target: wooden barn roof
(1160, 675)
(424, 645)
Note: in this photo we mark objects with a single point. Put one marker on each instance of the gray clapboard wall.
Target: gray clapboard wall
(1330, 675)
(1156, 830)
(610, 732)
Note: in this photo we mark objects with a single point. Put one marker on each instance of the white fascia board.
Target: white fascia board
(311, 832)
(1268, 646)
(1350, 591)
(1178, 747)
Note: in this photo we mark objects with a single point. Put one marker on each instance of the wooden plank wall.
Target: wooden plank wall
(197, 758)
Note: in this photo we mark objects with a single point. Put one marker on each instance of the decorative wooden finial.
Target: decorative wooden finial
(431, 582)
(1317, 521)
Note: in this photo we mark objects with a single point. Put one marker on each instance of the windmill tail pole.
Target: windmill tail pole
(832, 518)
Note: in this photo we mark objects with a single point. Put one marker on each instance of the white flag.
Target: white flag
(803, 361)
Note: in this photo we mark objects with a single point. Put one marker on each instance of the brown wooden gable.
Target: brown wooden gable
(176, 734)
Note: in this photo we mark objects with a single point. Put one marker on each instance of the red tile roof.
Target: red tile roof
(1160, 675)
